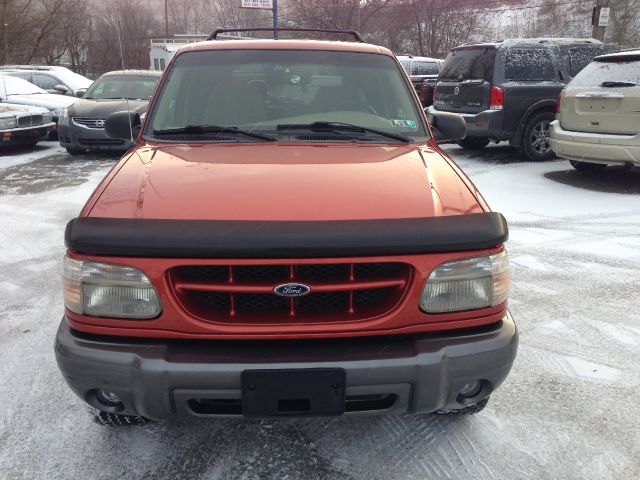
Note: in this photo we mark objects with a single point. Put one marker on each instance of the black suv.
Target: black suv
(423, 72)
(508, 90)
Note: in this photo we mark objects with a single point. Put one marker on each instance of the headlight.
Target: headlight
(58, 111)
(466, 284)
(63, 116)
(108, 290)
(9, 122)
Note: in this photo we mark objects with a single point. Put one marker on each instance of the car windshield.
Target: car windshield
(17, 86)
(132, 87)
(280, 92)
(599, 72)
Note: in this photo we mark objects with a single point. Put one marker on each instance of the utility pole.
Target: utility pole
(5, 34)
(600, 19)
(166, 19)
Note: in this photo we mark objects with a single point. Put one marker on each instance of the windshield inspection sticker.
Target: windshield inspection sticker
(404, 124)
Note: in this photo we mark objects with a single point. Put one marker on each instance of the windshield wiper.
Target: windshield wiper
(617, 84)
(212, 129)
(341, 127)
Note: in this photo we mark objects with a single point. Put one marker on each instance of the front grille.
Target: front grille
(90, 122)
(29, 120)
(96, 142)
(243, 294)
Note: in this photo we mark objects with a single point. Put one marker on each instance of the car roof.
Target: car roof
(258, 44)
(150, 73)
(624, 56)
(420, 59)
(539, 41)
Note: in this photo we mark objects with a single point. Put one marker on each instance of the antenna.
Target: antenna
(122, 64)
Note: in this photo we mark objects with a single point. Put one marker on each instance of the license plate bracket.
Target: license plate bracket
(293, 392)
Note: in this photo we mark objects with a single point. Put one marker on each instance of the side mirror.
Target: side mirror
(61, 89)
(447, 126)
(123, 125)
(80, 92)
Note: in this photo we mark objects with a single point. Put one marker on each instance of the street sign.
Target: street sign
(603, 20)
(260, 4)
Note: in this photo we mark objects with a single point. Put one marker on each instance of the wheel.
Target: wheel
(74, 151)
(473, 143)
(468, 410)
(107, 419)
(535, 138)
(588, 167)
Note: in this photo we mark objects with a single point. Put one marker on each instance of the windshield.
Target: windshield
(470, 63)
(268, 91)
(17, 86)
(598, 72)
(72, 79)
(132, 87)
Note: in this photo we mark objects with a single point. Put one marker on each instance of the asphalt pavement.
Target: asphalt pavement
(567, 411)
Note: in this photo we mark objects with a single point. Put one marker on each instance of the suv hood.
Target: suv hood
(287, 181)
(102, 108)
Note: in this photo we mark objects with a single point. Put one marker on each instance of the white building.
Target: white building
(162, 49)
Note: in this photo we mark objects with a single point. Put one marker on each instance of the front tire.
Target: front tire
(587, 167)
(468, 410)
(473, 143)
(74, 151)
(108, 419)
(535, 138)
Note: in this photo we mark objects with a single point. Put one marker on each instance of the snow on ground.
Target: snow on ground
(568, 409)
(12, 156)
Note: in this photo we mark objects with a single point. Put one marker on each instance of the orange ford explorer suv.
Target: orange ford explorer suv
(285, 238)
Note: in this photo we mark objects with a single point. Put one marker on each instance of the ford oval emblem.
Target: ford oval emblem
(292, 290)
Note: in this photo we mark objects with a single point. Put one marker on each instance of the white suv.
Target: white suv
(598, 120)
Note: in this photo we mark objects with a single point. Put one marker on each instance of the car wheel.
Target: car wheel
(108, 419)
(473, 143)
(468, 410)
(587, 167)
(535, 139)
(74, 151)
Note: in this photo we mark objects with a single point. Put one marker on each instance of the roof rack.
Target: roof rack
(217, 32)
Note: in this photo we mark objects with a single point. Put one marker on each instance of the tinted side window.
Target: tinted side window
(425, 68)
(24, 75)
(528, 64)
(46, 82)
(578, 57)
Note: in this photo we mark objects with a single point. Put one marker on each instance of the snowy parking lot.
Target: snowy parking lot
(568, 409)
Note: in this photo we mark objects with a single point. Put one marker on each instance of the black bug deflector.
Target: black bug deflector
(284, 239)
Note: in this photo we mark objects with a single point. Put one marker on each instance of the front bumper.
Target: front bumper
(82, 138)
(161, 378)
(487, 123)
(26, 135)
(593, 147)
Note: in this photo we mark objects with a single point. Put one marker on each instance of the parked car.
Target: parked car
(54, 79)
(23, 125)
(19, 91)
(598, 120)
(81, 126)
(285, 238)
(423, 72)
(508, 90)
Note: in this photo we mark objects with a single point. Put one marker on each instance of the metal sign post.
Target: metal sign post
(275, 19)
(264, 5)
